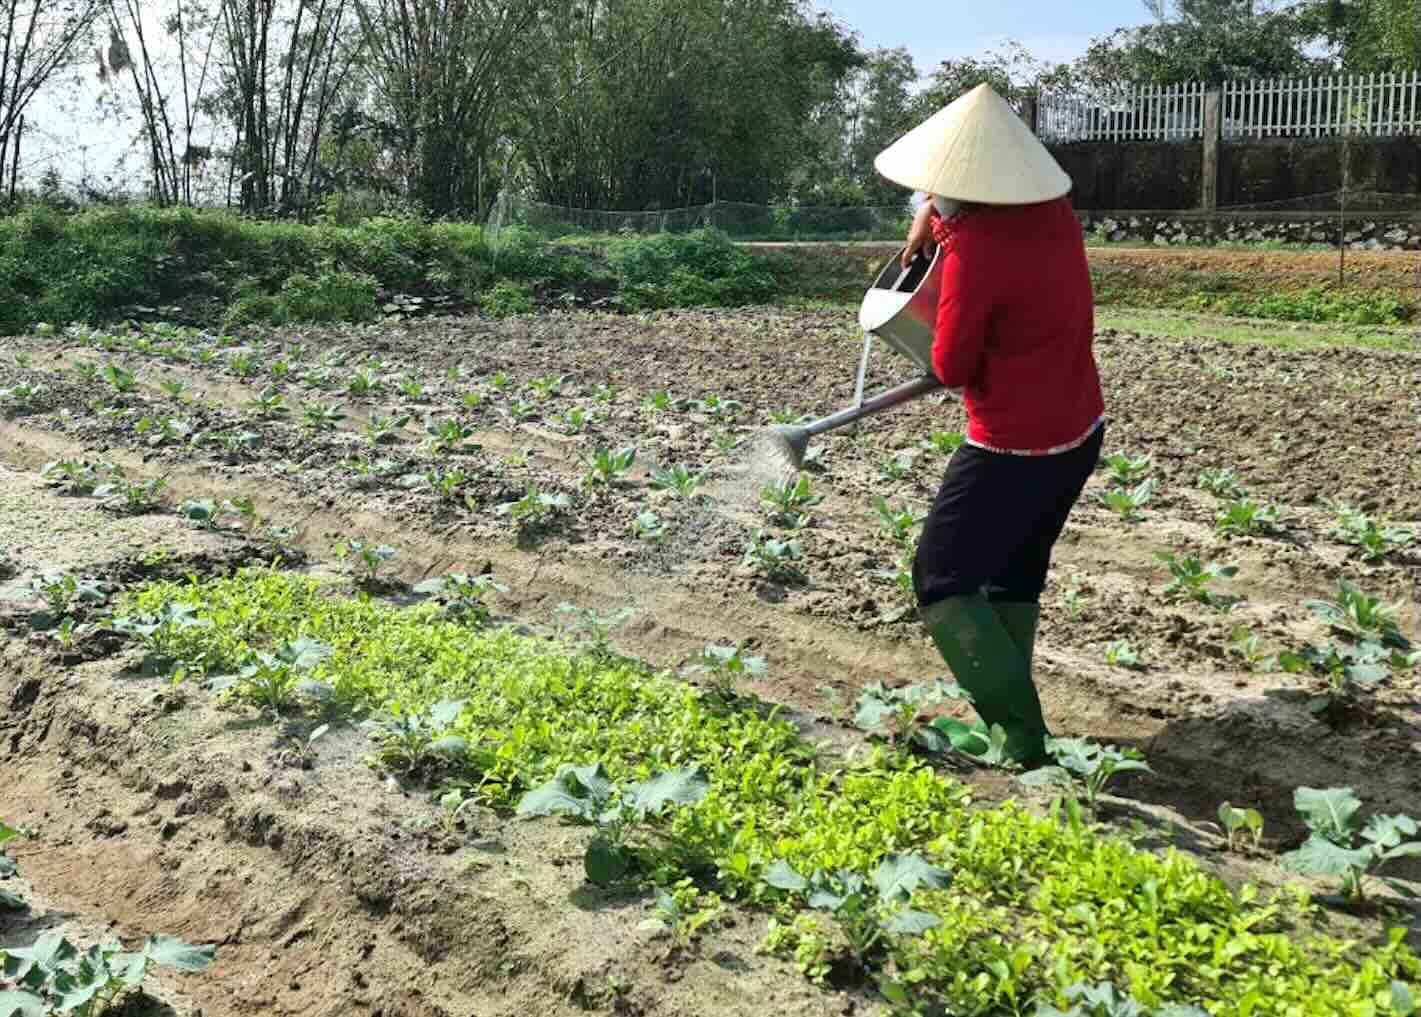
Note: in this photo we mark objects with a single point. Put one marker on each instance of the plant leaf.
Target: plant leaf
(18, 1003)
(48, 952)
(911, 923)
(171, 952)
(1387, 831)
(1331, 811)
(897, 876)
(445, 712)
(1046, 776)
(1403, 1000)
(782, 877)
(1320, 856)
(556, 799)
(605, 862)
(824, 900)
(872, 712)
(685, 786)
(449, 745)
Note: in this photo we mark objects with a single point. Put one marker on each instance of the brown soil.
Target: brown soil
(302, 867)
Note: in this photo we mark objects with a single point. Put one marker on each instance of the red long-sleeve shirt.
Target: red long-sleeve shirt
(1016, 325)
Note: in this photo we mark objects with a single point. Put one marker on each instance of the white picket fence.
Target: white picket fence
(1370, 105)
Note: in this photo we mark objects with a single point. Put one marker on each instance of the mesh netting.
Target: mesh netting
(1359, 201)
(739, 219)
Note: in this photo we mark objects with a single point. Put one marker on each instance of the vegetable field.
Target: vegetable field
(457, 666)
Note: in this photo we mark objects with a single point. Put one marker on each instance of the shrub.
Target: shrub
(505, 298)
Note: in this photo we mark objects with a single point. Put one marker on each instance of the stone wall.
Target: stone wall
(1363, 232)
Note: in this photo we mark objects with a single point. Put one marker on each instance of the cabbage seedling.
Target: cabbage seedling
(903, 709)
(409, 740)
(1244, 518)
(787, 500)
(203, 511)
(725, 665)
(575, 420)
(587, 795)
(379, 430)
(163, 430)
(591, 631)
(499, 380)
(363, 383)
(523, 411)
(869, 909)
(1104, 1000)
(788, 415)
(173, 388)
(268, 403)
(86, 370)
(898, 523)
(159, 633)
(412, 388)
(604, 393)
(897, 466)
(280, 370)
(647, 525)
(323, 416)
(657, 402)
(944, 443)
(462, 595)
(1222, 482)
(1127, 504)
(1374, 540)
(604, 466)
(677, 479)
(120, 380)
(726, 441)
(547, 386)
(770, 557)
(449, 436)
(131, 497)
(71, 476)
(1190, 578)
(368, 559)
(536, 506)
(273, 680)
(22, 395)
(243, 365)
(718, 408)
(1085, 765)
(1237, 822)
(1354, 613)
(1119, 653)
(1127, 470)
(53, 976)
(1333, 847)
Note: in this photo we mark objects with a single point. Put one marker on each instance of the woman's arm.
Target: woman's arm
(920, 234)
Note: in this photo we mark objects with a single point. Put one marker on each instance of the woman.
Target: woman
(1014, 334)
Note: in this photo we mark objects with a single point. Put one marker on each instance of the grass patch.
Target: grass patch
(1036, 904)
(1185, 325)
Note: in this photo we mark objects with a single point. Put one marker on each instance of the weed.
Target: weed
(685, 910)
(1333, 847)
(173, 388)
(411, 739)
(1190, 578)
(727, 441)
(244, 365)
(523, 411)
(9, 901)
(412, 388)
(1248, 647)
(1105, 1000)
(895, 467)
(788, 415)
(22, 395)
(587, 795)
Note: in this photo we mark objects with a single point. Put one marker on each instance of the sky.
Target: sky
(935, 30)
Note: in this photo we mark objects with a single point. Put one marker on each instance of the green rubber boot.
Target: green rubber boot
(987, 661)
(1020, 619)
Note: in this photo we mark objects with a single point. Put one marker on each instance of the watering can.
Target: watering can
(901, 309)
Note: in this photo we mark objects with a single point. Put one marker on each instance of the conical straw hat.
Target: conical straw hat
(975, 149)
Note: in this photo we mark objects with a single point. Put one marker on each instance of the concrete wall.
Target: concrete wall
(1169, 175)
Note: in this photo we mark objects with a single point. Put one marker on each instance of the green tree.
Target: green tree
(1369, 36)
(881, 110)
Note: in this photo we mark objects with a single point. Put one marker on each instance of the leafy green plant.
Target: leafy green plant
(121, 380)
(1248, 647)
(728, 441)
(1190, 578)
(547, 386)
(1371, 645)
(724, 665)
(1104, 1000)
(244, 365)
(788, 500)
(1237, 822)
(323, 416)
(366, 558)
(523, 411)
(159, 634)
(871, 909)
(1128, 504)
(657, 402)
(771, 557)
(463, 596)
(163, 430)
(269, 403)
(684, 910)
(1085, 766)
(55, 977)
(604, 465)
(788, 415)
(536, 506)
(380, 430)
(904, 711)
(202, 511)
(587, 795)
(1354, 613)
(22, 394)
(647, 525)
(1119, 653)
(412, 740)
(1125, 470)
(173, 388)
(363, 382)
(72, 476)
(412, 388)
(591, 630)
(896, 466)
(449, 436)
(1373, 539)
(1338, 844)
(677, 479)
(897, 522)
(1247, 518)
(718, 407)
(944, 443)
(1222, 482)
(449, 486)
(575, 420)
(62, 594)
(272, 681)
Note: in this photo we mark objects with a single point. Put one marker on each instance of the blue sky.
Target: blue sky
(934, 30)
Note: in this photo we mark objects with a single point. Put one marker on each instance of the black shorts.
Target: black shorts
(995, 520)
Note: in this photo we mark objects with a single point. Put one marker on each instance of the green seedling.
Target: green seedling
(717, 407)
(1222, 482)
(1085, 766)
(523, 411)
(724, 665)
(771, 557)
(1246, 518)
(378, 364)
(897, 523)
(685, 910)
(868, 910)
(367, 559)
(86, 370)
(363, 383)
(280, 370)
(1119, 653)
(1190, 579)
(316, 377)
(788, 501)
(54, 976)
(1104, 1000)
(647, 525)
(159, 634)
(1238, 822)
(604, 393)
(122, 381)
(268, 404)
(657, 402)
(163, 430)
(72, 476)
(903, 710)
(1371, 645)
(412, 388)
(547, 386)
(411, 741)
(944, 443)
(536, 506)
(463, 596)
(895, 467)
(450, 435)
(1373, 539)
(1353, 613)
(131, 497)
(61, 593)
(173, 388)
(1339, 844)
(471, 401)
(452, 805)
(604, 466)
(728, 441)
(677, 479)
(500, 381)
(591, 631)
(449, 486)
(788, 415)
(587, 795)
(244, 365)
(1128, 504)
(1248, 647)
(233, 442)
(22, 395)
(202, 511)
(1126, 470)
(381, 430)
(1074, 597)
(323, 416)
(272, 681)
(575, 420)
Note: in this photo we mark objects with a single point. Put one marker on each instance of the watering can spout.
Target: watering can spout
(789, 442)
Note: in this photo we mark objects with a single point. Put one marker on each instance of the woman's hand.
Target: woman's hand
(920, 234)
